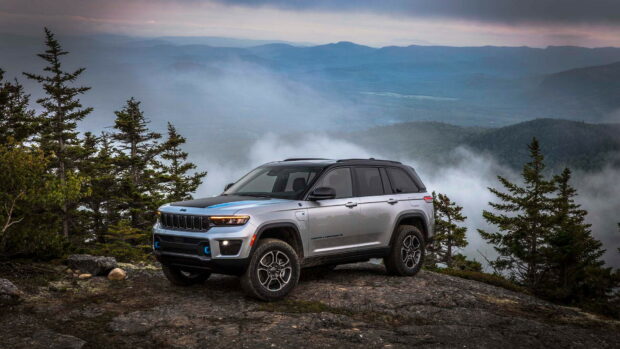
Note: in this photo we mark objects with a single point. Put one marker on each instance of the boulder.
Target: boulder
(85, 276)
(117, 274)
(95, 265)
(9, 293)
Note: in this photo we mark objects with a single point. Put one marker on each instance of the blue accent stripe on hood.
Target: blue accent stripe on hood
(236, 203)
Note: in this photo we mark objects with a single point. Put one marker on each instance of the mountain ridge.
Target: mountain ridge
(564, 142)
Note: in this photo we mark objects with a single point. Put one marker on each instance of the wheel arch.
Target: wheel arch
(285, 231)
(415, 218)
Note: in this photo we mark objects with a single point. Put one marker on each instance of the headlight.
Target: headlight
(229, 220)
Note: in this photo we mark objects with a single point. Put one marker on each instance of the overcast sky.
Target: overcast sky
(591, 23)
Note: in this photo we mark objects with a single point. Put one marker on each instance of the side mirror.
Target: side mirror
(228, 186)
(322, 193)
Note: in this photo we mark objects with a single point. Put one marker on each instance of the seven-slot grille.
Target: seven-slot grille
(184, 222)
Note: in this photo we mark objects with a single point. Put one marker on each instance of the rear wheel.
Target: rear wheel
(273, 270)
(407, 252)
(184, 277)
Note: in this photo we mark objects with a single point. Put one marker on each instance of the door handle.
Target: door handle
(351, 204)
(392, 201)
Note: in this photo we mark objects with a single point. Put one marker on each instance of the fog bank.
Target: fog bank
(465, 180)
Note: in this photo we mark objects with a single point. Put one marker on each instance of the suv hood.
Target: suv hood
(228, 202)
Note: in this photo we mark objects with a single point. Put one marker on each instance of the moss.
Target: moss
(490, 279)
(301, 306)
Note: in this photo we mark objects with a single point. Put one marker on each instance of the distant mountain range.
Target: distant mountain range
(564, 143)
(414, 100)
(594, 90)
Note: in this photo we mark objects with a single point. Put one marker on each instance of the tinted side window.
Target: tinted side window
(368, 181)
(387, 188)
(401, 181)
(340, 180)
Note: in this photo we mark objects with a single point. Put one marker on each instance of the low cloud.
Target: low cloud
(465, 180)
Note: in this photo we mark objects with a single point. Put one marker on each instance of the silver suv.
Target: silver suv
(298, 213)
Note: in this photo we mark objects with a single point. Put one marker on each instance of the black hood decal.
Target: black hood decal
(216, 200)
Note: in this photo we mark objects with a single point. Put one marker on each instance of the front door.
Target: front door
(332, 223)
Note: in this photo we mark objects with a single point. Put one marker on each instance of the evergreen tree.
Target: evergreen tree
(449, 236)
(99, 166)
(524, 222)
(17, 121)
(62, 110)
(178, 182)
(139, 190)
(573, 255)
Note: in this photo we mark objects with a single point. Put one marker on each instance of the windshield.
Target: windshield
(275, 181)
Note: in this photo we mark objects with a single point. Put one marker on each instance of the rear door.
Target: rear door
(406, 194)
(377, 212)
(332, 223)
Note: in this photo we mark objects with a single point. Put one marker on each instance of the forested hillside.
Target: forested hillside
(567, 143)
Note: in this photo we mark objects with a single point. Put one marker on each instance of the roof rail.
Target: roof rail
(371, 159)
(298, 159)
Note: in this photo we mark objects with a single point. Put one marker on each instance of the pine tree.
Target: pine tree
(62, 110)
(572, 253)
(139, 190)
(99, 166)
(17, 120)
(449, 236)
(178, 183)
(524, 221)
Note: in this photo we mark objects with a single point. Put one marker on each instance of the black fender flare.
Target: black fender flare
(413, 214)
(289, 225)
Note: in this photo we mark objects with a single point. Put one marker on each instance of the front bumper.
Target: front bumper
(205, 250)
(220, 266)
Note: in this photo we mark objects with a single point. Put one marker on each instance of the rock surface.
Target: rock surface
(117, 274)
(9, 293)
(95, 265)
(46, 338)
(354, 306)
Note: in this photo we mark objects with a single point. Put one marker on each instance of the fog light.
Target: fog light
(230, 247)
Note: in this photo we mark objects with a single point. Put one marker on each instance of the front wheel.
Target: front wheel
(407, 252)
(273, 270)
(184, 277)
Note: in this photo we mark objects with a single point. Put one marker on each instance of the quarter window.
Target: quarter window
(368, 181)
(401, 181)
(340, 180)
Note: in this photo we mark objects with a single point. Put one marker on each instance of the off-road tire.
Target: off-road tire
(182, 277)
(395, 263)
(258, 282)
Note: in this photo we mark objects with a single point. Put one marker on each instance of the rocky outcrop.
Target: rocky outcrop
(46, 338)
(354, 306)
(9, 293)
(94, 265)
